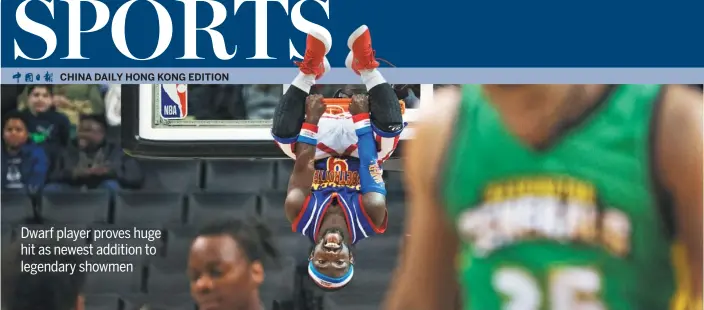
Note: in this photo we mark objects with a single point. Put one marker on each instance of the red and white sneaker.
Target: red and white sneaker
(314, 60)
(361, 56)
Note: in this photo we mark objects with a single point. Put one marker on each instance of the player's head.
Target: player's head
(91, 131)
(39, 97)
(350, 90)
(225, 264)
(331, 262)
(43, 290)
(14, 129)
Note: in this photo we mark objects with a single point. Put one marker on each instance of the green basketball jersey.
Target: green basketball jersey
(574, 226)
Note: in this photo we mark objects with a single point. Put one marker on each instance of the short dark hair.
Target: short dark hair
(49, 88)
(14, 115)
(251, 235)
(98, 118)
(46, 290)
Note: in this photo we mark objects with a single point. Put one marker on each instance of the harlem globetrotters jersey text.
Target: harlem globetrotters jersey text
(573, 226)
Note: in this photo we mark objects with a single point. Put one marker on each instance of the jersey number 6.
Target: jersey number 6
(337, 164)
(574, 288)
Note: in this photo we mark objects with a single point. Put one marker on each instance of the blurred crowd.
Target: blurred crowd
(258, 101)
(64, 137)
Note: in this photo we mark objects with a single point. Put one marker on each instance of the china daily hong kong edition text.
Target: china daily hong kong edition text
(29, 21)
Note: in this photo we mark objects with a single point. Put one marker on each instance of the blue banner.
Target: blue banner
(409, 34)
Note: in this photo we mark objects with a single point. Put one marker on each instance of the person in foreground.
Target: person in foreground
(555, 197)
(225, 265)
(44, 290)
(336, 195)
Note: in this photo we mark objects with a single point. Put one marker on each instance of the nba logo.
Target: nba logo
(174, 101)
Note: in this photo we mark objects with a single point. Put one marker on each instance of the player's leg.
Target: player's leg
(386, 117)
(290, 112)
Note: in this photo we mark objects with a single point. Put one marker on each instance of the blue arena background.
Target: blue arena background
(410, 34)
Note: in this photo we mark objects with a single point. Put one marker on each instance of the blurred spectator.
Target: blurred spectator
(239, 249)
(113, 110)
(23, 290)
(113, 105)
(46, 126)
(257, 101)
(104, 88)
(438, 86)
(93, 162)
(409, 93)
(24, 164)
(74, 100)
(9, 95)
(216, 102)
(412, 101)
(260, 100)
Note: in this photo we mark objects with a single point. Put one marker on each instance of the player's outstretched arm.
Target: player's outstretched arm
(425, 277)
(371, 182)
(678, 149)
(299, 185)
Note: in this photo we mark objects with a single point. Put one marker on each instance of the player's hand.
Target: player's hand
(359, 104)
(314, 108)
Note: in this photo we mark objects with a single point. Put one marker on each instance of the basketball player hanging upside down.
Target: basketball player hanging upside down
(347, 201)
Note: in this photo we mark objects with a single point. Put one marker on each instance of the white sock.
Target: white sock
(371, 78)
(304, 82)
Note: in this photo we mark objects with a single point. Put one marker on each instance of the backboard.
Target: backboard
(215, 121)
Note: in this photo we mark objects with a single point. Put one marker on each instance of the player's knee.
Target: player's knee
(289, 114)
(385, 108)
(387, 120)
(286, 127)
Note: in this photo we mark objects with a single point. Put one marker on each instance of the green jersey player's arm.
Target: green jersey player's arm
(425, 276)
(679, 140)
